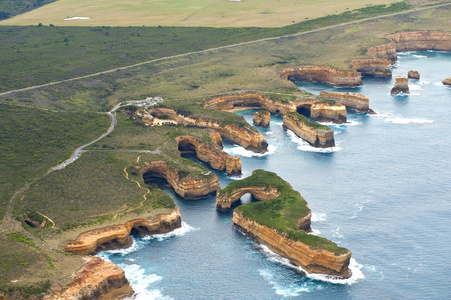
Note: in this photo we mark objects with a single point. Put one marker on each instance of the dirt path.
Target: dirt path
(220, 48)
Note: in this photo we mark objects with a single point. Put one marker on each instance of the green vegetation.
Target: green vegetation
(10, 8)
(36, 55)
(281, 213)
(23, 239)
(298, 119)
(34, 140)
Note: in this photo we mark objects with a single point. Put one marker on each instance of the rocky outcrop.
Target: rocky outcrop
(387, 51)
(323, 74)
(319, 136)
(224, 201)
(310, 259)
(421, 41)
(184, 184)
(377, 67)
(303, 105)
(118, 236)
(413, 74)
(401, 86)
(326, 112)
(447, 81)
(262, 118)
(351, 100)
(95, 279)
(210, 153)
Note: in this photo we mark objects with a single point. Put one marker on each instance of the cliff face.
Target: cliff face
(225, 201)
(348, 99)
(311, 260)
(319, 138)
(186, 187)
(118, 236)
(95, 279)
(322, 112)
(447, 81)
(262, 118)
(401, 85)
(387, 51)
(377, 67)
(211, 154)
(413, 74)
(323, 74)
(422, 41)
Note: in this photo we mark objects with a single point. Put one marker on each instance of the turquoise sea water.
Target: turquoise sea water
(382, 192)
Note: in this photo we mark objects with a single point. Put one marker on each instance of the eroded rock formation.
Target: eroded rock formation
(95, 279)
(118, 236)
(185, 185)
(262, 118)
(326, 112)
(351, 100)
(210, 153)
(422, 41)
(413, 74)
(447, 81)
(224, 201)
(387, 51)
(323, 74)
(401, 86)
(310, 259)
(377, 67)
(316, 135)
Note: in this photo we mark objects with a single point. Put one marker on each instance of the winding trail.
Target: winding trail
(221, 48)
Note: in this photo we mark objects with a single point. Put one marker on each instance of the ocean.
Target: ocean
(383, 192)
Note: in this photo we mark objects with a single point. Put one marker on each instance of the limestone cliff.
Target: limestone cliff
(422, 41)
(224, 201)
(316, 135)
(401, 85)
(95, 279)
(387, 51)
(310, 259)
(413, 74)
(447, 81)
(210, 153)
(118, 236)
(185, 185)
(323, 74)
(350, 100)
(326, 112)
(262, 118)
(377, 67)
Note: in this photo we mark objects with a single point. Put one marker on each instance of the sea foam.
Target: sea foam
(240, 151)
(408, 121)
(304, 146)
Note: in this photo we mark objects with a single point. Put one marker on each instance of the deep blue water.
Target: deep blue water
(382, 192)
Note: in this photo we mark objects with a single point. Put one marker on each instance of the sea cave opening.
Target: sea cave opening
(186, 147)
(304, 110)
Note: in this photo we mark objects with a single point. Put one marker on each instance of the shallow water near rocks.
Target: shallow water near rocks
(383, 192)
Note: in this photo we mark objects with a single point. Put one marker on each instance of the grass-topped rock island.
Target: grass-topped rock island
(282, 222)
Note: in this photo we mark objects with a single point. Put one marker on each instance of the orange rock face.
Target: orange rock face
(211, 154)
(319, 138)
(401, 85)
(95, 279)
(348, 99)
(323, 112)
(186, 187)
(422, 41)
(118, 236)
(447, 81)
(311, 260)
(262, 118)
(323, 74)
(377, 67)
(387, 51)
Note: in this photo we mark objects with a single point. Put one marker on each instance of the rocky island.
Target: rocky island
(401, 86)
(281, 221)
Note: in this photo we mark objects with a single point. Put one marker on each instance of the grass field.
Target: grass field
(217, 13)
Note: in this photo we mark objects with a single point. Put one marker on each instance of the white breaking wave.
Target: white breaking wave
(420, 56)
(142, 283)
(317, 217)
(380, 115)
(240, 151)
(415, 87)
(408, 121)
(177, 232)
(315, 232)
(360, 206)
(305, 146)
(269, 133)
(288, 290)
(354, 266)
